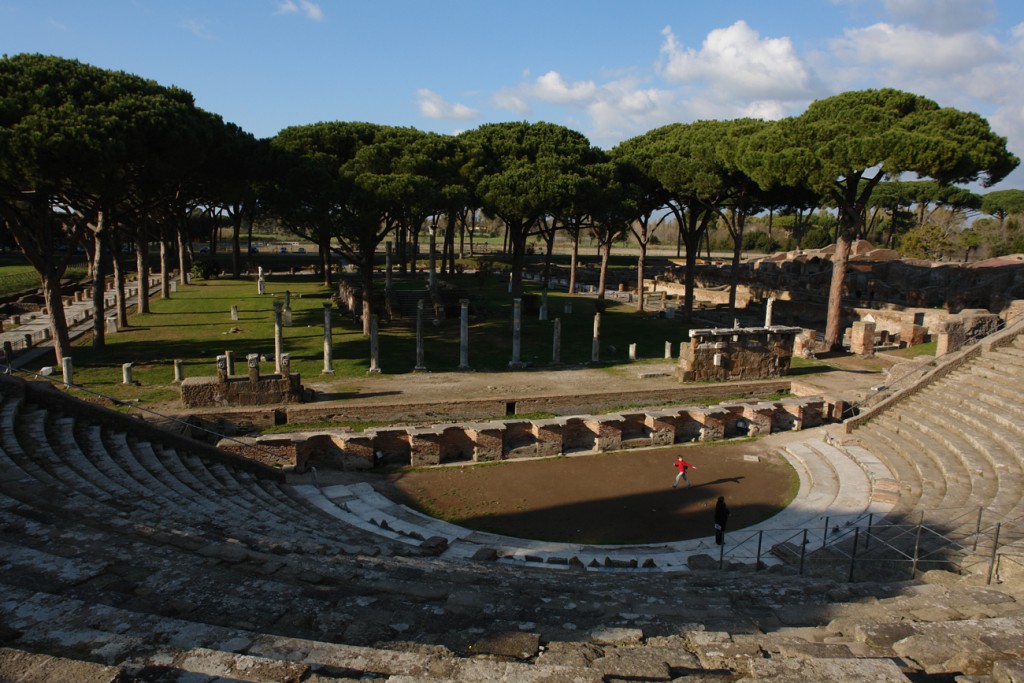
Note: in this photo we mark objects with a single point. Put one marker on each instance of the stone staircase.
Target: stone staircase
(127, 553)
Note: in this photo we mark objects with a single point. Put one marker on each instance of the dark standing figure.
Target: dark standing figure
(721, 517)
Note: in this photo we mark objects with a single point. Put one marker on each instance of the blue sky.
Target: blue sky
(610, 70)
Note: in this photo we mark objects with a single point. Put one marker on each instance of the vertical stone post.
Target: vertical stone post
(668, 349)
(286, 365)
(222, 368)
(174, 286)
(126, 373)
(464, 335)
(568, 308)
(556, 343)
(595, 349)
(229, 356)
(420, 367)
(432, 281)
(8, 357)
(768, 310)
(735, 323)
(261, 283)
(287, 299)
(111, 325)
(328, 341)
(253, 359)
(234, 312)
(862, 338)
(387, 269)
(278, 336)
(179, 370)
(28, 341)
(543, 304)
(510, 283)
(374, 348)
(69, 371)
(517, 331)
(632, 351)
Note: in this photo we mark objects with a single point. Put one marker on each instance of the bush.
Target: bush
(816, 238)
(206, 269)
(759, 241)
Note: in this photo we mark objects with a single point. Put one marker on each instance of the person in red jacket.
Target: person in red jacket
(682, 466)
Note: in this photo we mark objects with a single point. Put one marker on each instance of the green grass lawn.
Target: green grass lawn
(195, 325)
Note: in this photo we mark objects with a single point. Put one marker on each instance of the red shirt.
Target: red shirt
(682, 465)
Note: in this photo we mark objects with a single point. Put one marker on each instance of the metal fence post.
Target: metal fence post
(867, 537)
(992, 559)
(803, 552)
(917, 551)
(853, 555)
(977, 529)
(757, 563)
(824, 536)
(721, 555)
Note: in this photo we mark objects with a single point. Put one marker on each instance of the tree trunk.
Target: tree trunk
(236, 244)
(58, 322)
(99, 284)
(325, 263)
(574, 258)
(142, 268)
(183, 260)
(641, 263)
(833, 325)
(366, 270)
(165, 279)
(119, 282)
(606, 250)
(737, 252)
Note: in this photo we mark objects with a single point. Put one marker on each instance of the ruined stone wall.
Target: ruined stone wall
(205, 392)
(741, 353)
(498, 440)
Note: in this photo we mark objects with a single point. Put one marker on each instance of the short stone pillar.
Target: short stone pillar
(595, 348)
(234, 312)
(28, 341)
(111, 325)
(464, 335)
(126, 373)
(862, 338)
(387, 267)
(568, 308)
(174, 286)
(912, 334)
(543, 314)
(278, 335)
(328, 341)
(768, 310)
(8, 357)
(420, 367)
(517, 332)
(632, 351)
(230, 356)
(222, 368)
(69, 371)
(253, 359)
(286, 365)
(556, 342)
(374, 347)
(179, 370)
(668, 349)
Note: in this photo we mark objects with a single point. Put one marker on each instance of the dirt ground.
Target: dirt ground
(608, 498)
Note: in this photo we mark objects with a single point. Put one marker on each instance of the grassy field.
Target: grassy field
(195, 325)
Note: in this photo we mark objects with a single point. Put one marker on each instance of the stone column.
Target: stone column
(328, 341)
(543, 304)
(768, 310)
(668, 349)
(420, 367)
(126, 373)
(556, 343)
(517, 329)
(8, 357)
(387, 270)
(234, 312)
(568, 308)
(179, 370)
(278, 336)
(632, 351)
(253, 359)
(222, 368)
(374, 348)
(862, 338)
(595, 349)
(287, 308)
(261, 284)
(229, 357)
(69, 371)
(464, 335)
(286, 365)
(432, 281)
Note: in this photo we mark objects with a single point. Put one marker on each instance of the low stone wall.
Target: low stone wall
(741, 353)
(505, 440)
(202, 392)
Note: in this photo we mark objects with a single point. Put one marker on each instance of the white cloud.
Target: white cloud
(197, 28)
(551, 87)
(434, 106)
(942, 16)
(310, 10)
(507, 99)
(736, 64)
(910, 50)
